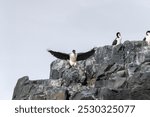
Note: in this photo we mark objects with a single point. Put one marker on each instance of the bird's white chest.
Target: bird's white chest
(73, 58)
(148, 39)
(119, 41)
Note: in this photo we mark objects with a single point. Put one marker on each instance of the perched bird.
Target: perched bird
(73, 57)
(147, 38)
(118, 39)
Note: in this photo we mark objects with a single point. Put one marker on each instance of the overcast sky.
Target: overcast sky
(29, 27)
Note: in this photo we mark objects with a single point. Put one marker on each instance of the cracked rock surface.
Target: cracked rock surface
(112, 73)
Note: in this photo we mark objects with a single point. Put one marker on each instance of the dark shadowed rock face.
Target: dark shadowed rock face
(113, 73)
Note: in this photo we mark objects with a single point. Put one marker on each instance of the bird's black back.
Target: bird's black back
(114, 42)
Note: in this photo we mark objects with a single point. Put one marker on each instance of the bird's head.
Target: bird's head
(118, 34)
(148, 33)
(73, 51)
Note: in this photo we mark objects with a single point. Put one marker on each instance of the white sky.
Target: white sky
(29, 27)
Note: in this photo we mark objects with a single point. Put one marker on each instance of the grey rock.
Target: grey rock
(84, 95)
(139, 86)
(110, 94)
(112, 73)
(57, 94)
(113, 83)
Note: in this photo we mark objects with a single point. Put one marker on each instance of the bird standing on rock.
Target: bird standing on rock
(118, 39)
(147, 38)
(73, 57)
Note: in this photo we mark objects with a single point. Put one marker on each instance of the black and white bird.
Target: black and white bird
(73, 57)
(118, 39)
(147, 38)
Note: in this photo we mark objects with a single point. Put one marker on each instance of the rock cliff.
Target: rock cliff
(112, 73)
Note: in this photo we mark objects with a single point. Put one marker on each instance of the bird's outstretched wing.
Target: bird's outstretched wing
(144, 39)
(83, 56)
(59, 55)
(114, 42)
